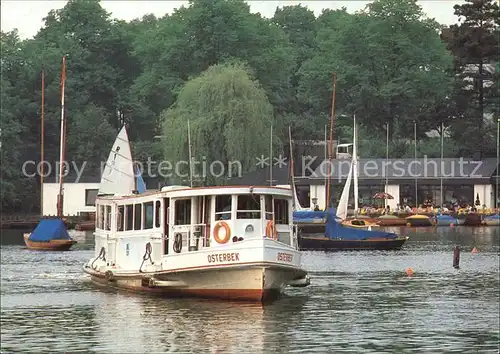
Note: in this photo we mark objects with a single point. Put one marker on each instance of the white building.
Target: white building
(78, 198)
(79, 193)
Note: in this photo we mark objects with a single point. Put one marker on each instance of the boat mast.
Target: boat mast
(62, 143)
(330, 147)
(190, 157)
(441, 169)
(416, 181)
(386, 161)
(271, 157)
(292, 181)
(42, 134)
(355, 166)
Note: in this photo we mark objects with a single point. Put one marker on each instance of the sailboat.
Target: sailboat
(119, 176)
(342, 235)
(344, 200)
(52, 234)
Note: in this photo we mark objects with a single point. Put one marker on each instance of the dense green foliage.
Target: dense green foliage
(233, 74)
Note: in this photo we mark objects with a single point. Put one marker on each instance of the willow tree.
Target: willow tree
(230, 119)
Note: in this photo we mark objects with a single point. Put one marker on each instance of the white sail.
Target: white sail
(118, 176)
(344, 198)
(355, 166)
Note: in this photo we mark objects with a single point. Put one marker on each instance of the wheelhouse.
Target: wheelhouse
(192, 219)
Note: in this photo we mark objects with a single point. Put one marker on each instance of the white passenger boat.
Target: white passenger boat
(219, 242)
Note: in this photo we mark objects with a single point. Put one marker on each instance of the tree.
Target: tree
(230, 118)
(390, 63)
(474, 44)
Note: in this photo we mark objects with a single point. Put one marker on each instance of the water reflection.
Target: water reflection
(190, 325)
(357, 302)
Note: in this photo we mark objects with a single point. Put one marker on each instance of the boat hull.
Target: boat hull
(327, 244)
(250, 283)
(391, 221)
(422, 221)
(52, 245)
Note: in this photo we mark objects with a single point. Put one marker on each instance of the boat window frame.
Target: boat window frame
(223, 214)
(120, 218)
(157, 214)
(279, 214)
(188, 207)
(107, 217)
(145, 225)
(129, 219)
(246, 213)
(138, 217)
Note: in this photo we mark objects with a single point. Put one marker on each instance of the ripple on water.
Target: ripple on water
(357, 302)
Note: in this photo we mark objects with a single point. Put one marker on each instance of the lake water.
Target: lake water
(357, 302)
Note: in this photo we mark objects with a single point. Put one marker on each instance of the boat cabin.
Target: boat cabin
(179, 220)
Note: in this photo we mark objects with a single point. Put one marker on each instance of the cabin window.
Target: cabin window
(148, 215)
(120, 217)
(281, 211)
(129, 217)
(183, 212)
(157, 213)
(268, 199)
(108, 217)
(137, 216)
(223, 207)
(248, 207)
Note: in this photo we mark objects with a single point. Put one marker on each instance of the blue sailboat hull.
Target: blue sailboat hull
(340, 237)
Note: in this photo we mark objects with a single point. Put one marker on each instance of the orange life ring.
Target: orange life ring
(271, 231)
(226, 227)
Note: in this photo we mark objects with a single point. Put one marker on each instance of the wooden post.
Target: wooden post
(456, 257)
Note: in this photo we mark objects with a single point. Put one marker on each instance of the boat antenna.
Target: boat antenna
(190, 157)
(330, 146)
(42, 135)
(62, 144)
(441, 163)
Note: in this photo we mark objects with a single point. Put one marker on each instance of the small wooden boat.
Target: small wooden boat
(418, 220)
(492, 220)
(85, 226)
(391, 220)
(49, 235)
(359, 223)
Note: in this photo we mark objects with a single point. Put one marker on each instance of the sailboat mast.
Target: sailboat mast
(441, 162)
(355, 166)
(330, 147)
(416, 181)
(42, 135)
(62, 143)
(292, 181)
(190, 157)
(271, 157)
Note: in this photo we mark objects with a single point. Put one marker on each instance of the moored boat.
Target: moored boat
(492, 220)
(473, 219)
(234, 243)
(339, 237)
(418, 220)
(445, 220)
(391, 220)
(49, 235)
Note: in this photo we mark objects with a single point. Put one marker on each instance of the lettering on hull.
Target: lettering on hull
(223, 257)
(284, 257)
